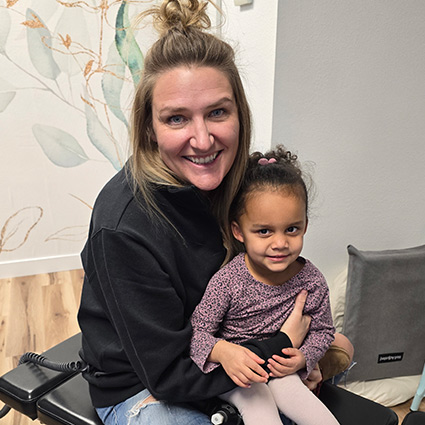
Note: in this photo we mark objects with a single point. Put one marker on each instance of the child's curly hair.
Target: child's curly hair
(277, 169)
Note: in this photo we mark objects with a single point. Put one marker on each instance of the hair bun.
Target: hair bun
(181, 15)
(279, 154)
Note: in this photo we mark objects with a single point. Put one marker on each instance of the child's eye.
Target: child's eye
(263, 232)
(292, 229)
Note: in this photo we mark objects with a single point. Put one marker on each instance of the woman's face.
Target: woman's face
(196, 124)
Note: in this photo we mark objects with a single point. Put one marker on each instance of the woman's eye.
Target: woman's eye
(176, 119)
(217, 113)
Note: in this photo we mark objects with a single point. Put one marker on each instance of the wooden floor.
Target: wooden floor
(38, 312)
(403, 409)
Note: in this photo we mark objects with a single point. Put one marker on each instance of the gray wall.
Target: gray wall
(349, 95)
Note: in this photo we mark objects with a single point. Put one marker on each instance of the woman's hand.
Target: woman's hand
(296, 326)
(281, 366)
(240, 364)
(314, 378)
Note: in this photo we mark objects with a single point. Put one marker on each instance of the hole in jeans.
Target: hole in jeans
(142, 404)
(149, 400)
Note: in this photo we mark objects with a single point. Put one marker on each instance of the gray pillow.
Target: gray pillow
(385, 312)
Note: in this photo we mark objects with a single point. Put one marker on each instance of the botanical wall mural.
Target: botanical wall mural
(67, 75)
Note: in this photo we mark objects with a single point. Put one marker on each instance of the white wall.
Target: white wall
(343, 84)
(251, 30)
(60, 140)
(46, 207)
(350, 96)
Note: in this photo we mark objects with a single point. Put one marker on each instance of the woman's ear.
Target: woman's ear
(153, 137)
(237, 232)
(150, 133)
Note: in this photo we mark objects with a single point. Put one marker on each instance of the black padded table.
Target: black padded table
(414, 418)
(57, 398)
(69, 404)
(24, 385)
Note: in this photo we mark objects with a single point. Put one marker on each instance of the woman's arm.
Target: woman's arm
(287, 341)
(292, 333)
(208, 351)
(145, 301)
(242, 363)
(322, 331)
(317, 341)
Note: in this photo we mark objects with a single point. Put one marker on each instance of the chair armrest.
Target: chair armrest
(351, 409)
(414, 418)
(68, 404)
(21, 387)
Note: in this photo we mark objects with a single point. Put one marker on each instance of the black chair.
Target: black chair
(68, 404)
(414, 418)
(24, 385)
(351, 409)
(63, 399)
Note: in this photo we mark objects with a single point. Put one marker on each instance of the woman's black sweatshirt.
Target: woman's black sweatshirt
(143, 279)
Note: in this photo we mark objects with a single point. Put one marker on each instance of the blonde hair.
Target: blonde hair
(184, 41)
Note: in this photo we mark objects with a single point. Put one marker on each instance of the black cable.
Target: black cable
(4, 411)
(38, 359)
(58, 366)
(219, 411)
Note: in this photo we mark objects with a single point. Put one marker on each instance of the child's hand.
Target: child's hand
(281, 366)
(241, 364)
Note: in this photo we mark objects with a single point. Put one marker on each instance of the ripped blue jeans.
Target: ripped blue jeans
(135, 411)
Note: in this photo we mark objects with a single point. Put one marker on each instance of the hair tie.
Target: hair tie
(265, 161)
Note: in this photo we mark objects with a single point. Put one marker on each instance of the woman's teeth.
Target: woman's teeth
(204, 160)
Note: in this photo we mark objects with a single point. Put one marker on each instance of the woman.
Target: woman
(155, 236)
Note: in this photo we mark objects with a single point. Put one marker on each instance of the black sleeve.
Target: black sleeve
(146, 311)
(267, 347)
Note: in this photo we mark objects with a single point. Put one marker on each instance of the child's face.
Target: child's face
(272, 229)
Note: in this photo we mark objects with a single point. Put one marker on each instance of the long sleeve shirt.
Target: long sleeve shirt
(143, 279)
(237, 307)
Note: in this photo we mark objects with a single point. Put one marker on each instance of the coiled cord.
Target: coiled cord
(40, 360)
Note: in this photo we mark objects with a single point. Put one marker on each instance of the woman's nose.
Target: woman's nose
(201, 138)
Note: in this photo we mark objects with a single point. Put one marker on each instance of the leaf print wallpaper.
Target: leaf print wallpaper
(67, 76)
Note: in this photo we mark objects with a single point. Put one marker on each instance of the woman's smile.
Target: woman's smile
(205, 160)
(196, 124)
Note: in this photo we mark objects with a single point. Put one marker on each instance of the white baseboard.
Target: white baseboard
(39, 265)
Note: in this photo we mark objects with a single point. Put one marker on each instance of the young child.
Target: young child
(252, 295)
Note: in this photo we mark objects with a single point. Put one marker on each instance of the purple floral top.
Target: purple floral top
(237, 307)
